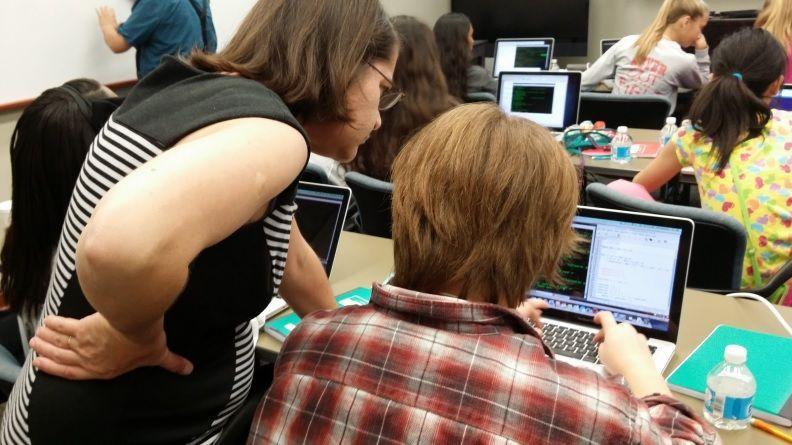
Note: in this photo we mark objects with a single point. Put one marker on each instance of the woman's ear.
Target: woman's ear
(775, 87)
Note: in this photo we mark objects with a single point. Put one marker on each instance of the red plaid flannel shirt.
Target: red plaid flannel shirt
(425, 369)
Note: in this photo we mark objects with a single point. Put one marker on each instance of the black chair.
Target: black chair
(719, 242)
(633, 111)
(374, 203)
(480, 96)
(314, 173)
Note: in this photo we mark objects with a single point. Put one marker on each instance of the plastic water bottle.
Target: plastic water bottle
(620, 146)
(554, 65)
(668, 131)
(730, 391)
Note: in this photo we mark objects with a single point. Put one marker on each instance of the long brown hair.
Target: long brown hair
(776, 18)
(308, 52)
(482, 202)
(419, 75)
(451, 32)
(730, 107)
(670, 12)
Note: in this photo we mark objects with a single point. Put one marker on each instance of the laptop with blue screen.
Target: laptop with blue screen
(783, 101)
(632, 264)
(321, 211)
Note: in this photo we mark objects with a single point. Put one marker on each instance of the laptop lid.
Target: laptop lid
(522, 55)
(632, 264)
(783, 101)
(549, 98)
(321, 211)
(606, 44)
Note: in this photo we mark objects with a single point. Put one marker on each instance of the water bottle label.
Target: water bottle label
(730, 408)
(623, 152)
(665, 140)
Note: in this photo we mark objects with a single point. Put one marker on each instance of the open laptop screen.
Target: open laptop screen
(627, 264)
(607, 44)
(321, 211)
(522, 55)
(551, 99)
(783, 101)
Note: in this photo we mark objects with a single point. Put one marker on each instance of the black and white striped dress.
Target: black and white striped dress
(229, 284)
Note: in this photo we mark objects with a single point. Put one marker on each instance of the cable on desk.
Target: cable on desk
(767, 304)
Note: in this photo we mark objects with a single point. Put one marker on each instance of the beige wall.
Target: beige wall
(427, 10)
(7, 122)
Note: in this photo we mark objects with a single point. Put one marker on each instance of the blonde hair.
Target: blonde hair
(776, 18)
(483, 202)
(670, 12)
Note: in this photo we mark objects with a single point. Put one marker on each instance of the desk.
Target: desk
(629, 170)
(363, 259)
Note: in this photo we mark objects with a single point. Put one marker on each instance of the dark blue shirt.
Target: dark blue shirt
(167, 27)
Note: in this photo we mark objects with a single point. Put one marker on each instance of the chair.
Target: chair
(648, 112)
(374, 203)
(719, 241)
(480, 96)
(314, 173)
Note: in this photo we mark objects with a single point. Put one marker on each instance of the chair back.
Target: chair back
(315, 173)
(374, 203)
(480, 96)
(719, 240)
(648, 112)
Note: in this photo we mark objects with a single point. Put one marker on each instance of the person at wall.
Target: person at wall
(454, 35)
(180, 228)
(482, 208)
(776, 18)
(48, 146)
(739, 150)
(157, 28)
(654, 62)
(419, 75)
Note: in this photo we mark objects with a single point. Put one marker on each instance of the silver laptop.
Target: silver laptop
(606, 44)
(321, 211)
(522, 55)
(632, 264)
(549, 98)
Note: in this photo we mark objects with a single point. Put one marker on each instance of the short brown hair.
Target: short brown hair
(484, 202)
(309, 52)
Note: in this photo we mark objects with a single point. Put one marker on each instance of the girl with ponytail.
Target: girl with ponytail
(654, 62)
(741, 151)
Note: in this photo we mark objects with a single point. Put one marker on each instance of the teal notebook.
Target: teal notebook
(769, 359)
(282, 326)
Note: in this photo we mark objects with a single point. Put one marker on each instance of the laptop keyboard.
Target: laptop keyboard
(574, 343)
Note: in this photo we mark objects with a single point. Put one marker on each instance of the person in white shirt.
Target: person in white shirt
(654, 62)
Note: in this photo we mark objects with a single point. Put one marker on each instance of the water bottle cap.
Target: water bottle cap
(735, 354)
(622, 129)
(671, 120)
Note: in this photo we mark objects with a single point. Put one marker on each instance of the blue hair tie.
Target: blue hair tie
(738, 76)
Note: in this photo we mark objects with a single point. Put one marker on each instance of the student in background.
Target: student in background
(482, 208)
(776, 18)
(419, 75)
(739, 149)
(654, 62)
(48, 147)
(158, 28)
(454, 35)
(181, 228)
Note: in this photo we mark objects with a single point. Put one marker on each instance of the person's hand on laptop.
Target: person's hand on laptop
(625, 352)
(531, 309)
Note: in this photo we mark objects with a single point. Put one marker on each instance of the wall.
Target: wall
(427, 10)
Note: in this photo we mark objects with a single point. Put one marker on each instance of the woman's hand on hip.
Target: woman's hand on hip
(91, 348)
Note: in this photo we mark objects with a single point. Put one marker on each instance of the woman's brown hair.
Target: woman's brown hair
(419, 75)
(451, 33)
(670, 12)
(308, 52)
(482, 202)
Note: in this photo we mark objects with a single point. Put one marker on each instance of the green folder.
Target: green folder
(281, 327)
(769, 359)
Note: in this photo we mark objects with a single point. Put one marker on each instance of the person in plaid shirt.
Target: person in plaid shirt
(482, 207)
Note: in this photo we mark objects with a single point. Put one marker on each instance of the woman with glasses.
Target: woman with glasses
(420, 76)
(180, 227)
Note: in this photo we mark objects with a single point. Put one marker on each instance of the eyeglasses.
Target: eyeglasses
(391, 96)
